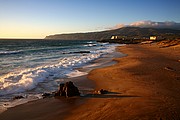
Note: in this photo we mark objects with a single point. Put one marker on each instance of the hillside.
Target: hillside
(126, 31)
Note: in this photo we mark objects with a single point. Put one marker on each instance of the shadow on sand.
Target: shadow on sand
(108, 95)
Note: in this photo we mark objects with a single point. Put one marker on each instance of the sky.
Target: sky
(39, 18)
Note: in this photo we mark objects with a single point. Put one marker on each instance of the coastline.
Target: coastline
(55, 108)
(140, 88)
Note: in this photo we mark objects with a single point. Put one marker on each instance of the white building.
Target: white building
(114, 37)
(153, 37)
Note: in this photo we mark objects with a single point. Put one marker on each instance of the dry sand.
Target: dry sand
(143, 85)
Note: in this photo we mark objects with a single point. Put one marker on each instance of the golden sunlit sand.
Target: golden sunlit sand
(140, 87)
(45, 44)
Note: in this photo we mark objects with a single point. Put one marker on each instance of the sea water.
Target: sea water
(32, 67)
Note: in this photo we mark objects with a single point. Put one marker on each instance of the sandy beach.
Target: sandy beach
(145, 85)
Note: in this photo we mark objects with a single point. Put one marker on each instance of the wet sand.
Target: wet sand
(140, 85)
(143, 85)
(59, 107)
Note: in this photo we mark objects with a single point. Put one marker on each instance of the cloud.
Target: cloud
(118, 26)
(151, 24)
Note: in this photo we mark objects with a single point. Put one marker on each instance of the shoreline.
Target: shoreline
(139, 85)
(61, 104)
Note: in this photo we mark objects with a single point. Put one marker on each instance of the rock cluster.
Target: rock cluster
(68, 90)
(102, 91)
(44, 95)
(17, 97)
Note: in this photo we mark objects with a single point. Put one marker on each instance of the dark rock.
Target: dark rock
(44, 95)
(102, 91)
(18, 97)
(82, 52)
(61, 89)
(169, 68)
(71, 90)
(68, 90)
(56, 93)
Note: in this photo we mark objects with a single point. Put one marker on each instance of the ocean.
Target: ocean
(32, 67)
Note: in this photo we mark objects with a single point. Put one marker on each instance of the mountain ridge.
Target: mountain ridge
(125, 31)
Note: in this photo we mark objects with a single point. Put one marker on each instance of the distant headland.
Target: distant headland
(125, 33)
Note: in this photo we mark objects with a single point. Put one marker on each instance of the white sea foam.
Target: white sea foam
(26, 99)
(43, 73)
(76, 73)
(9, 52)
(27, 79)
(90, 42)
(91, 45)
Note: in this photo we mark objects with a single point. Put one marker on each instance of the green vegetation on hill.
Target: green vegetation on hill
(128, 32)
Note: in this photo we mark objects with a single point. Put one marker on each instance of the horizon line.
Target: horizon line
(23, 38)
